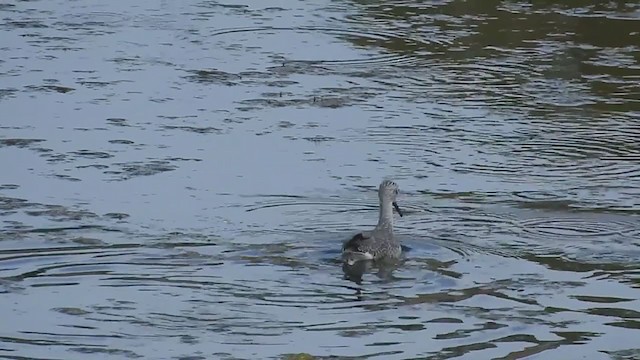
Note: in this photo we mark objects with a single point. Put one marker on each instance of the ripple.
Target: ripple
(568, 227)
(369, 38)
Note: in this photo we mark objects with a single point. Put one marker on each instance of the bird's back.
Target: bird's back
(377, 244)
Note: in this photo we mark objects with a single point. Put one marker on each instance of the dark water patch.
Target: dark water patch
(93, 166)
(61, 213)
(24, 24)
(556, 262)
(129, 354)
(50, 88)
(72, 311)
(213, 76)
(89, 129)
(129, 63)
(24, 219)
(215, 4)
(138, 168)
(331, 102)
(457, 351)
(281, 83)
(9, 203)
(117, 121)
(627, 354)
(615, 312)
(90, 154)
(21, 143)
(64, 39)
(256, 104)
(194, 129)
(465, 333)
(319, 138)
(63, 229)
(53, 157)
(572, 338)
(7, 93)
(65, 177)
(253, 74)
(121, 142)
(97, 84)
(162, 100)
(116, 216)
(626, 324)
(82, 240)
(600, 299)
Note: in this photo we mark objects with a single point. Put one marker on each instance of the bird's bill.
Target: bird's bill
(395, 206)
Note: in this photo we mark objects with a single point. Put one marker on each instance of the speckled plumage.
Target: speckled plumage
(379, 243)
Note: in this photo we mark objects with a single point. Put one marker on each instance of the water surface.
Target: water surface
(176, 179)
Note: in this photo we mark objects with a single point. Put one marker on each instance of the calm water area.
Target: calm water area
(177, 178)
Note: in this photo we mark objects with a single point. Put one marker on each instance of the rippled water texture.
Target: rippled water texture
(177, 177)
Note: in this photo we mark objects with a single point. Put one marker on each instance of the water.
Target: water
(176, 179)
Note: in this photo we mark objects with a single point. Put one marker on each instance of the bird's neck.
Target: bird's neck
(385, 221)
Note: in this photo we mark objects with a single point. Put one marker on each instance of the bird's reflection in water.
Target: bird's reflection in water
(356, 271)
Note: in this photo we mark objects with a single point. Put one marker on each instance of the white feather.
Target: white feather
(358, 256)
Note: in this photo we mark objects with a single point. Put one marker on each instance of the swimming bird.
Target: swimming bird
(378, 243)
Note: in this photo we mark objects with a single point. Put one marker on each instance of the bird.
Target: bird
(379, 243)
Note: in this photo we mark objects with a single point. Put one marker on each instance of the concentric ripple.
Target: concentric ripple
(351, 35)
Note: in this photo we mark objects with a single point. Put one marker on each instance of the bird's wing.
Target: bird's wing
(356, 242)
